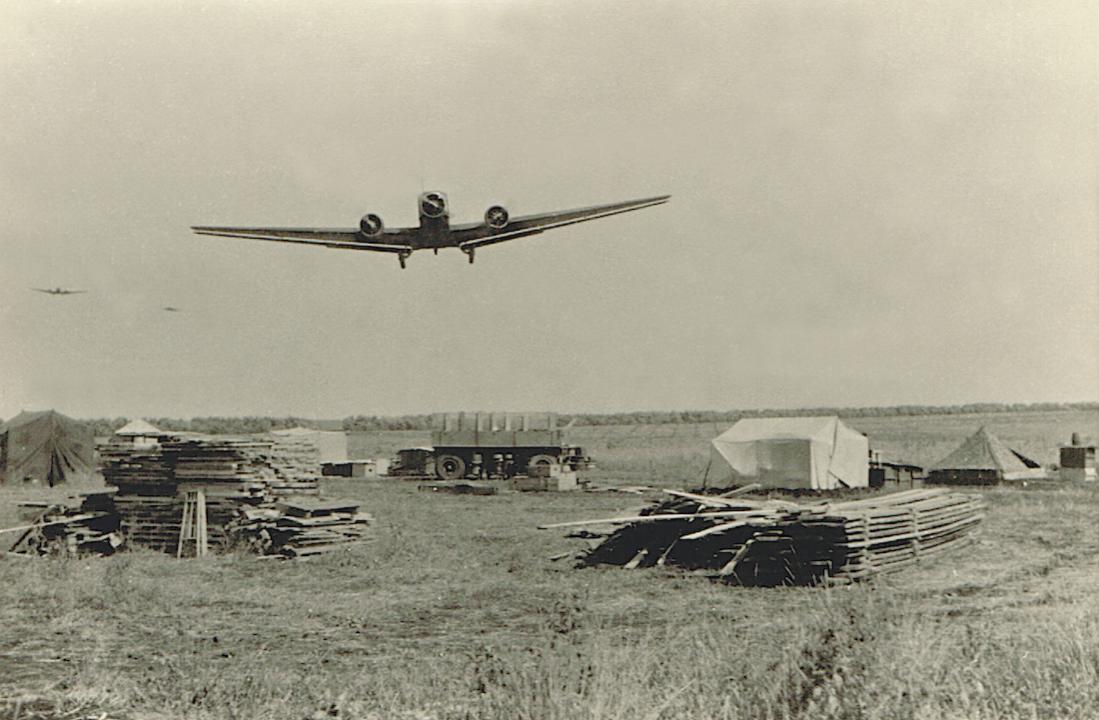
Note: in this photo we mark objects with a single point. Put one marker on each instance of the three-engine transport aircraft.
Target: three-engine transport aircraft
(58, 291)
(434, 231)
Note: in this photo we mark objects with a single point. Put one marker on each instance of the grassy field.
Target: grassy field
(677, 455)
(456, 611)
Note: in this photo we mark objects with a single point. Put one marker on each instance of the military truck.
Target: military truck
(492, 445)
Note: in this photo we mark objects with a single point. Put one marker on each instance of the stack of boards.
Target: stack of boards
(775, 542)
(296, 462)
(150, 484)
(301, 528)
(60, 530)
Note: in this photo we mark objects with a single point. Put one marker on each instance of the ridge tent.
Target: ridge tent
(983, 459)
(817, 453)
(45, 446)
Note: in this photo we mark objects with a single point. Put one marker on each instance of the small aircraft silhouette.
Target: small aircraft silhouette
(58, 291)
(169, 308)
(434, 231)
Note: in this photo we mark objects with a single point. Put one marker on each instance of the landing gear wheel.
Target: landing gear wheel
(450, 467)
(542, 459)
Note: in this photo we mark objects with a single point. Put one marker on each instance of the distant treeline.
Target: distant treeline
(251, 424)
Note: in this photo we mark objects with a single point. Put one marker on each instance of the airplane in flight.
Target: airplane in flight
(434, 231)
(58, 291)
(169, 308)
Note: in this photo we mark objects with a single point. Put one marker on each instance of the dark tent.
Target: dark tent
(983, 459)
(45, 446)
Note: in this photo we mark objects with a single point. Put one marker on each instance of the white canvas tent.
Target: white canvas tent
(818, 453)
(329, 446)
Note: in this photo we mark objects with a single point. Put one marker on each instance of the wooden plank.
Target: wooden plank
(65, 521)
(656, 518)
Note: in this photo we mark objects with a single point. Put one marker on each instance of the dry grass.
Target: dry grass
(456, 612)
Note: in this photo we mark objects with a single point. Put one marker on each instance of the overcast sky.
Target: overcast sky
(872, 204)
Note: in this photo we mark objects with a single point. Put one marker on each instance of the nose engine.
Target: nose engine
(496, 217)
(433, 204)
(370, 225)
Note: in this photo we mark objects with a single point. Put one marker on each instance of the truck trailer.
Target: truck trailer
(492, 445)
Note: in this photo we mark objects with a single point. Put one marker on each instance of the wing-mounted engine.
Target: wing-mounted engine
(371, 226)
(496, 217)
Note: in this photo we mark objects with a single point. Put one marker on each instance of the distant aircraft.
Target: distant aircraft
(434, 231)
(58, 291)
(169, 308)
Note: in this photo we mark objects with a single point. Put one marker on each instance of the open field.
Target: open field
(677, 454)
(455, 611)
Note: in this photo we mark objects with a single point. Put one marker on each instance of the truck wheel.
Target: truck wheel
(541, 459)
(450, 467)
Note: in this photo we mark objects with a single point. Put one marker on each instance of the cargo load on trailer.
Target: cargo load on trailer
(493, 445)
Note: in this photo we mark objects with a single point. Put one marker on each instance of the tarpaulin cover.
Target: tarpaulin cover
(818, 453)
(984, 451)
(45, 446)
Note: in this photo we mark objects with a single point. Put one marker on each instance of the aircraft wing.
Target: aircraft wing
(392, 241)
(479, 234)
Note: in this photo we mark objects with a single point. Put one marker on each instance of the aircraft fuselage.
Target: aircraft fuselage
(434, 221)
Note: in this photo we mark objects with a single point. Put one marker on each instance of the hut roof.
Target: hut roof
(138, 427)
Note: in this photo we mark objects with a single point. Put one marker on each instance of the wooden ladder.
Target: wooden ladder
(193, 524)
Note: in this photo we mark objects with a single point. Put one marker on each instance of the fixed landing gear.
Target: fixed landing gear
(403, 257)
(469, 252)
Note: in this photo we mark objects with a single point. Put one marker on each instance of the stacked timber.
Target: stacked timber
(133, 468)
(245, 467)
(295, 461)
(300, 528)
(226, 467)
(854, 540)
(68, 531)
(774, 542)
(152, 482)
(155, 521)
(145, 503)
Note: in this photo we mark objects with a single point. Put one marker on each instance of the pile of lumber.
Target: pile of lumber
(243, 467)
(774, 542)
(152, 482)
(68, 531)
(126, 466)
(226, 467)
(300, 528)
(154, 521)
(296, 472)
(296, 462)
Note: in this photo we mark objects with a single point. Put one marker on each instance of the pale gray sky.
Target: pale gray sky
(873, 204)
